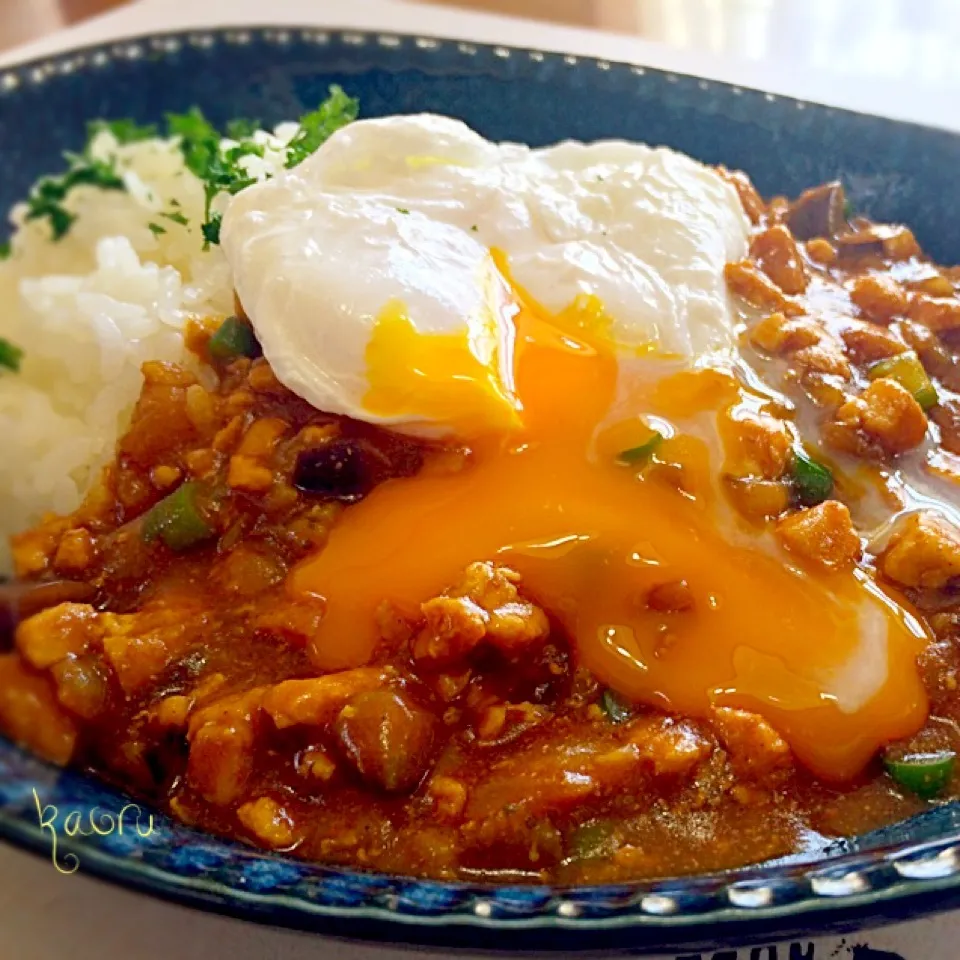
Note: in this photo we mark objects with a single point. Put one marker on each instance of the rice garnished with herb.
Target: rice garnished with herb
(107, 265)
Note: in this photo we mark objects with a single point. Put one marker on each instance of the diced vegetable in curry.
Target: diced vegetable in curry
(474, 742)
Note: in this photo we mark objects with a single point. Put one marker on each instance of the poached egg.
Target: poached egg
(385, 235)
(548, 307)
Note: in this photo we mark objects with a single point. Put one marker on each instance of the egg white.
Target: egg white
(409, 208)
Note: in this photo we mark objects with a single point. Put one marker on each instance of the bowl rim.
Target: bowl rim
(756, 904)
(882, 885)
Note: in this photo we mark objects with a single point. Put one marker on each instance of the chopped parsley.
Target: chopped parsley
(474, 228)
(242, 128)
(46, 199)
(5, 250)
(222, 171)
(403, 210)
(316, 128)
(211, 230)
(220, 167)
(125, 131)
(10, 356)
(156, 229)
(200, 146)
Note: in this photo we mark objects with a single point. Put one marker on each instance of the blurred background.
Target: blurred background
(913, 42)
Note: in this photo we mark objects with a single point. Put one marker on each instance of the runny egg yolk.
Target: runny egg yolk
(436, 378)
(827, 658)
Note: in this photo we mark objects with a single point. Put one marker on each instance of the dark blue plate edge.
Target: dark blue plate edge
(157, 43)
(546, 934)
(878, 898)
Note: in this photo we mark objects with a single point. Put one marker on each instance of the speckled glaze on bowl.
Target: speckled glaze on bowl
(893, 171)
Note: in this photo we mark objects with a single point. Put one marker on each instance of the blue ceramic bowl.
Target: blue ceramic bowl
(893, 171)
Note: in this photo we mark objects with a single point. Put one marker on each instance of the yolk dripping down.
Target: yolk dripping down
(591, 537)
(439, 378)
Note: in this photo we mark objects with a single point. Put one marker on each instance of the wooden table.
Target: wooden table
(23, 20)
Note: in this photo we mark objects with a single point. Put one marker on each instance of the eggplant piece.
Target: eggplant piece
(348, 468)
(819, 212)
(341, 470)
(388, 739)
(866, 238)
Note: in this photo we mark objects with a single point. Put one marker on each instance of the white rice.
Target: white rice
(89, 309)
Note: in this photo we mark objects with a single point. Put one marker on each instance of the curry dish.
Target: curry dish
(313, 634)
